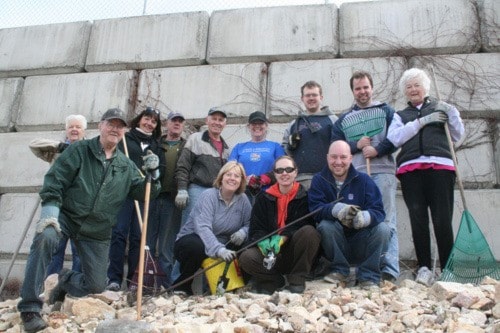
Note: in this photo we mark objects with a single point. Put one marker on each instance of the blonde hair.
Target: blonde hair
(78, 117)
(225, 169)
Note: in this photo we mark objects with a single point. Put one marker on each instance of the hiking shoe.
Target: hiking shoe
(59, 293)
(113, 286)
(367, 284)
(32, 322)
(335, 278)
(295, 288)
(388, 277)
(425, 276)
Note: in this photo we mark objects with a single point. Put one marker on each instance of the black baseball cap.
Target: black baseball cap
(257, 116)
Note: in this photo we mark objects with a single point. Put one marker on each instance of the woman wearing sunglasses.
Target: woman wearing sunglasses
(291, 251)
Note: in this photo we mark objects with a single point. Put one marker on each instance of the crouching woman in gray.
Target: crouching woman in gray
(217, 225)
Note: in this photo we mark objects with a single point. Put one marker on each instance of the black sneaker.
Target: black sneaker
(296, 288)
(32, 322)
(388, 277)
(58, 293)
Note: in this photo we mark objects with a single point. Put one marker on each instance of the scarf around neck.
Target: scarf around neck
(282, 201)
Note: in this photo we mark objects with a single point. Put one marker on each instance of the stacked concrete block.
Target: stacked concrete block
(394, 27)
(10, 94)
(239, 89)
(273, 34)
(44, 49)
(286, 78)
(489, 11)
(148, 42)
(47, 100)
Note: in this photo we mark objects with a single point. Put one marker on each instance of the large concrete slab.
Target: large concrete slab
(286, 78)
(237, 88)
(469, 81)
(476, 156)
(489, 12)
(10, 94)
(483, 206)
(47, 100)
(44, 49)
(21, 170)
(273, 34)
(394, 27)
(151, 41)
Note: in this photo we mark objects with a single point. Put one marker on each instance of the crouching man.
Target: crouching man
(81, 195)
(351, 229)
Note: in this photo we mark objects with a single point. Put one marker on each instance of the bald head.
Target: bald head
(339, 159)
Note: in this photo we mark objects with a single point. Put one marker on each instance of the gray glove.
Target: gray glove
(181, 199)
(345, 213)
(435, 117)
(442, 106)
(361, 220)
(150, 161)
(226, 255)
(45, 149)
(48, 217)
(238, 237)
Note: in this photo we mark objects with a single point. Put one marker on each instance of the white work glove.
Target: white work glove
(435, 117)
(226, 255)
(345, 213)
(181, 199)
(48, 217)
(45, 149)
(150, 164)
(361, 220)
(238, 237)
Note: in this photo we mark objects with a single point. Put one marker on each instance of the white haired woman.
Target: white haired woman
(425, 167)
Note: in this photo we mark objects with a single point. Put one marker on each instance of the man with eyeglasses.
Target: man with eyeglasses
(81, 195)
(308, 136)
(351, 229)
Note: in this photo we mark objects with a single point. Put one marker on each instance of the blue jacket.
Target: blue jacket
(358, 189)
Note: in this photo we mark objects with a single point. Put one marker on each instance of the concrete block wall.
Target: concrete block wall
(245, 60)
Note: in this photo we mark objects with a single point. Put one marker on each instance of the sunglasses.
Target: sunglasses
(151, 110)
(279, 171)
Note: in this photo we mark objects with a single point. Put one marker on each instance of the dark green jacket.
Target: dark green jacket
(90, 190)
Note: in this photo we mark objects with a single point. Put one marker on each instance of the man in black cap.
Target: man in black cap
(81, 195)
(200, 161)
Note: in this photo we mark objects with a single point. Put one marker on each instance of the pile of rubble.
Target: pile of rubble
(408, 307)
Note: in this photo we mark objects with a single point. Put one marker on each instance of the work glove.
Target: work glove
(48, 217)
(345, 213)
(226, 255)
(436, 117)
(264, 246)
(276, 242)
(181, 199)
(238, 237)
(443, 107)
(45, 149)
(256, 182)
(150, 164)
(361, 220)
(293, 141)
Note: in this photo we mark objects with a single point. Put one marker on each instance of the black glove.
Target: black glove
(293, 141)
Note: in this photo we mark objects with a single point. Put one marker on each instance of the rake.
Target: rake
(368, 122)
(470, 258)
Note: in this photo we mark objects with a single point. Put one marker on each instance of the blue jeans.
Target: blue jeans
(57, 262)
(194, 192)
(127, 227)
(92, 279)
(362, 247)
(387, 184)
(164, 229)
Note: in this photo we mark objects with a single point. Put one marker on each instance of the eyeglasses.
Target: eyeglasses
(279, 171)
(117, 125)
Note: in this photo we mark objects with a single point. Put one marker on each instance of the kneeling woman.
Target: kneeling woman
(295, 247)
(220, 217)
